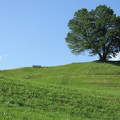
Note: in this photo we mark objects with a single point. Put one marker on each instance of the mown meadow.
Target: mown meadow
(77, 91)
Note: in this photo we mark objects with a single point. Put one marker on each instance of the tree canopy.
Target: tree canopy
(97, 31)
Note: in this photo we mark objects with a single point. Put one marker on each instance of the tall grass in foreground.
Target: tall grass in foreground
(81, 91)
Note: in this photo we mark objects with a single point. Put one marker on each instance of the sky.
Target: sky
(32, 32)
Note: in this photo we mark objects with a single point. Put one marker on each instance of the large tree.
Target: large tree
(97, 31)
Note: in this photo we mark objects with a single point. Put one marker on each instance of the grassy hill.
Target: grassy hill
(78, 91)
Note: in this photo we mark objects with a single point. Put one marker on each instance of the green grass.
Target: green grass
(78, 91)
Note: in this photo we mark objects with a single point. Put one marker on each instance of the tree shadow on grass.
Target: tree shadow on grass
(117, 63)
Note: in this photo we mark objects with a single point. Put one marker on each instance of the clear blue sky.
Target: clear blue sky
(34, 31)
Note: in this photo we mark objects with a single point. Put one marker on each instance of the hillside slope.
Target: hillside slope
(78, 91)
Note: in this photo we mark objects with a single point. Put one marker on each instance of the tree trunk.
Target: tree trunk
(103, 57)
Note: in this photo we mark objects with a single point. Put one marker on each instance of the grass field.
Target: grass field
(78, 91)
